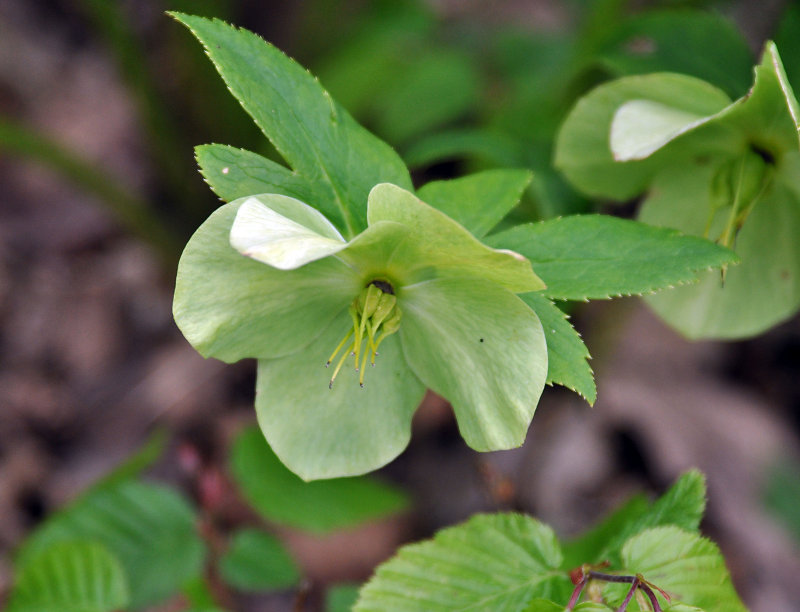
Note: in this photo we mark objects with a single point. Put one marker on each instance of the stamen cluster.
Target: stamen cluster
(375, 316)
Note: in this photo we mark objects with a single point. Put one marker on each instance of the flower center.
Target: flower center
(375, 316)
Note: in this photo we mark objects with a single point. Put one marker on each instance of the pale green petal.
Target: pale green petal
(483, 349)
(230, 307)
(440, 247)
(283, 232)
(344, 431)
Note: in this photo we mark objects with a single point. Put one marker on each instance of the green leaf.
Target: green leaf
(544, 605)
(231, 307)
(149, 528)
(491, 562)
(321, 506)
(699, 43)
(70, 576)
(567, 355)
(317, 137)
(235, 173)
(455, 326)
(583, 153)
(682, 505)
(257, 561)
(782, 494)
(341, 598)
(438, 246)
(598, 256)
(787, 39)
(478, 201)
(759, 292)
(689, 567)
(133, 466)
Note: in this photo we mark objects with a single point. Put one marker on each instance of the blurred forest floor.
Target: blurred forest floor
(90, 360)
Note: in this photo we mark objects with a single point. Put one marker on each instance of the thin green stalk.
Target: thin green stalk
(132, 212)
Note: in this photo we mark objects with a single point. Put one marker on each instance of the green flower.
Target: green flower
(412, 302)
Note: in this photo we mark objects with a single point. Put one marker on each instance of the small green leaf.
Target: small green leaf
(567, 355)
(598, 256)
(321, 506)
(682, 505)
(687, 566)
(70, 576)
(317, 137)
(451, 326)
(491, 562)
(235, 173)
(478, 201)
(257, 561)
(341, 598)
(149, 528)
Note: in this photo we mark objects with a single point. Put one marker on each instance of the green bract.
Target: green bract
(727, 171)
(269, 277)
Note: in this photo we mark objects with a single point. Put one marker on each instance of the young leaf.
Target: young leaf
(478, 201)
(598, 256)
(567, 355)
(316, 136)
(682, 505)
(491, 562)
(257, 561)
(70, 576)
(687, 566)
(319, 506)
(149, 528)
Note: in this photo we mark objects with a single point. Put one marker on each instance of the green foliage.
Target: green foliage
(283, 498)
(70, 576)
(256, 561)
(149, 528)
(513, 562)
(341, 598)
(724, 171)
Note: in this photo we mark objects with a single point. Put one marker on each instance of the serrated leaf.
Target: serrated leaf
(598, 256)
(567, 355)
(316, 136)
(235, 173)
(257, 561)
(70, 576)
(149, 528)
(478, 201)
(491, 562)
(320, 506)
(682, 505)
(687, 566)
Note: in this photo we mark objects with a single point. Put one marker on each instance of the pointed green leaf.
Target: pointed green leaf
(479, 346)
(235, 173)
(70, 576)
(598, 256)
(583, 153)
(478, 201)
(257, 561)
(282, 232)
(682, 505)
(759, 292)
(283, 498)
(491, 562)
(231, 307)
(149, 528)
(438, 246)
(687, 566)
(317, 137)
(567, 355)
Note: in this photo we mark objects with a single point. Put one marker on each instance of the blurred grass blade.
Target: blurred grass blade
(133, 213)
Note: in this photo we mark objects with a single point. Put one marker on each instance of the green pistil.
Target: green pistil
(375, 316)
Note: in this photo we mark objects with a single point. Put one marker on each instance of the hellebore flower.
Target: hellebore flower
(412, 302)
